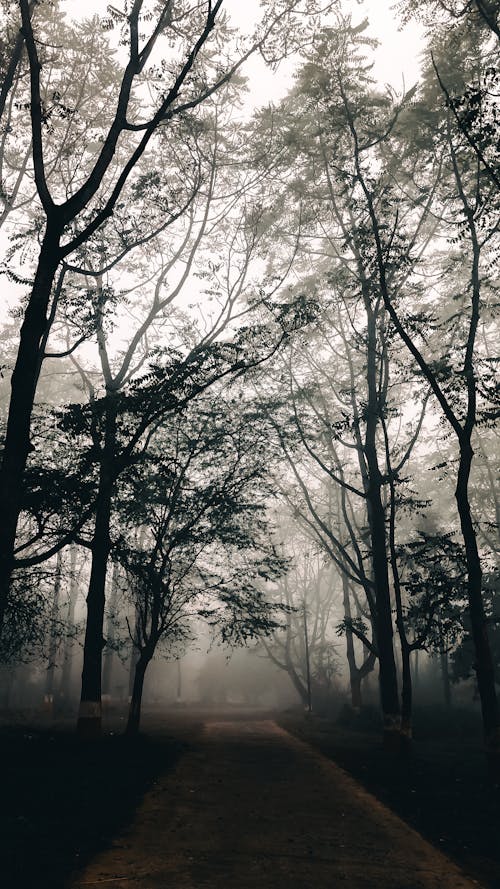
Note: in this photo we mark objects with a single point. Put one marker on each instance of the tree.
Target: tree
(348, 389)
(484, 13)
(304, 647)
(113, 431)
(75, 208)
(453, 377)
(199, 495)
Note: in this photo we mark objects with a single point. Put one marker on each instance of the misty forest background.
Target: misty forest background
(249, 391)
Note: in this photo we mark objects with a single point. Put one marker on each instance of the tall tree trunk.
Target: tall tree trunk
(107, 668)
(445, 675)
(354, 674)
(416, 674)
(90, 714)
(356, 696)
(297, 683)
(388, 680)
(406, 691)
(134, 715)
(483, 658)
(307, 659)
(17, 445)
(179, 681)
(134, 654)
(65, 686)
(53, 644)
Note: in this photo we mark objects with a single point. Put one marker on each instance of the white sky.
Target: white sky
(396, 59)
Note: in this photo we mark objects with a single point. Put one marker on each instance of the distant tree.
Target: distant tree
(199, 495)
(304, 646)
(113, 431)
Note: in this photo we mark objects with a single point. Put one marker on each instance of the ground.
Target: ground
(442, 787)
(204, 800)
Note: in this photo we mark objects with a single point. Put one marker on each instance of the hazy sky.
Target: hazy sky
(395, 59)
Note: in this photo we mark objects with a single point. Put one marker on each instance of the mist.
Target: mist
(249, 585)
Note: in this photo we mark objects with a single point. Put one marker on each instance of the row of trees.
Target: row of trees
(399, 216)
(296, 309)
(130, 162)
(397, 204)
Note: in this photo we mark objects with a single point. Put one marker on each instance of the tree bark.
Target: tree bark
(51, 667)
(107, 668)
(356, 674)
(483, 658)
(445, 675)
(90, 713)
(134, 715)
(17, 444)
(134, 654)
(387, 663)
(65, 686)
(307, 659)
(297, 683)
(388, 681)
(406, 692)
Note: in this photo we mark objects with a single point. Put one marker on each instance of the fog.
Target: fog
(249, 465)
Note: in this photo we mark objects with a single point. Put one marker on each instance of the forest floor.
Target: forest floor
(441, 787)
(216, 800)
(63, 800)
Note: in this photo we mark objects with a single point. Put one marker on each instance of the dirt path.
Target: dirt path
(249, 806)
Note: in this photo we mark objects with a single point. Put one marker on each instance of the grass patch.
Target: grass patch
(63, 799)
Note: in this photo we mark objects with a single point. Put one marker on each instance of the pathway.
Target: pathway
(250, 806)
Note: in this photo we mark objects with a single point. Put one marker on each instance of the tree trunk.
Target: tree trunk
(17, 443)
(134, 654)
(406, 692)
(356, 696)
(179, 681)
(388, 681)
(368, 664)
(90, 714)
(134, 715)
(107, 668)
(307, 658)
(65, 686)
(51, 667)
(354, 673)
(297, 683)
(445, 675)
(483, 659)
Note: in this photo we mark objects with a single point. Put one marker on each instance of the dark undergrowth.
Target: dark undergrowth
(64, 799)
(442, 787)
